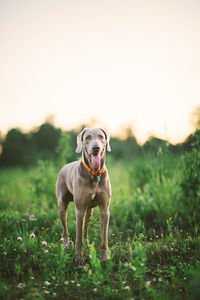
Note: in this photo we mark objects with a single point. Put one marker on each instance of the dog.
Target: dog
(86, 183)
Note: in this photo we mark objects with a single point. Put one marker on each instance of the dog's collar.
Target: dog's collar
(96, 173)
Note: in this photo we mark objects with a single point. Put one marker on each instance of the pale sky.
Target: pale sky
(125, 63)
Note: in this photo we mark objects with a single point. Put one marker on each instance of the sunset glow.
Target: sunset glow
(124, 63)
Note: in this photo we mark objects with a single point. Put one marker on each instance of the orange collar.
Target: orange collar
(96, 173)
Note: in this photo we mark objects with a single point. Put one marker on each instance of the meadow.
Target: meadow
(154, 233)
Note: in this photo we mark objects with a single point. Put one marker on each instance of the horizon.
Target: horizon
(123, 134)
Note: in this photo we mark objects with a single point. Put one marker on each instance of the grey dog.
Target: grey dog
(86, 183)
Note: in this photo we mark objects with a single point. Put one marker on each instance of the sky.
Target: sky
(123, 63)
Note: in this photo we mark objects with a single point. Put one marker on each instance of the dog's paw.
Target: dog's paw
(79, 260)
(104, 259)
(67, 242)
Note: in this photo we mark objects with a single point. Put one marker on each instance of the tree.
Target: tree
(46, 140)
(13, 148)
(195, 118)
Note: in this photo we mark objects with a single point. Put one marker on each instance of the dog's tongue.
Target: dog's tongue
(96, 162)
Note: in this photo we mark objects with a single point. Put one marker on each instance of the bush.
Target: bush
(190, 183)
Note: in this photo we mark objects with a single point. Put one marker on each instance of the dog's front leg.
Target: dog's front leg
(105, 215)
(80, 214)
(87, 220)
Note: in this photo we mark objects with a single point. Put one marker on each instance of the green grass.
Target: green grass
(154, 237)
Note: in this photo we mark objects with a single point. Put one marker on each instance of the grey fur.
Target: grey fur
(74, 183)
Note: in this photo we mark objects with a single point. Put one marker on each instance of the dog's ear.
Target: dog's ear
(107, 136)
(80, 140)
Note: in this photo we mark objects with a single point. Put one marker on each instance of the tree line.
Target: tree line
(23, 149)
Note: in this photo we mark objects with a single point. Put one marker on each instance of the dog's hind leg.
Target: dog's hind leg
(63, 197)
(62, 209)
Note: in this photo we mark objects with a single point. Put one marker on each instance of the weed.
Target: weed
(154, 236)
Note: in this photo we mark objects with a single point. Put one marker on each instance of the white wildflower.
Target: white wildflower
(21, 285)
(148, 284)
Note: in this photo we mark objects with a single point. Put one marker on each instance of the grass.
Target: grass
(154, 238)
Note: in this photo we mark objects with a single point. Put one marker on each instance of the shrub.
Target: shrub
(190, 183)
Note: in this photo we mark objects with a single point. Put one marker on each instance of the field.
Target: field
(154, 233)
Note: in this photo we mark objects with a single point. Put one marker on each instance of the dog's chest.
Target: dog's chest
(95, 189)
(93, 196)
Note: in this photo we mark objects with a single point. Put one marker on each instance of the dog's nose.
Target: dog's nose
(95, 148)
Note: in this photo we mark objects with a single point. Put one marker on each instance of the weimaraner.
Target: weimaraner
(86, 182)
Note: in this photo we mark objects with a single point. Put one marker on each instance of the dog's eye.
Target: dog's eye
(88, 137)
(100, 136)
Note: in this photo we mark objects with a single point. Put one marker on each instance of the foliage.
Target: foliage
(154, 246)
(190, 183)
(47, 142)
(14, 148)
(42, 144)
(64, 150)
(195, 117)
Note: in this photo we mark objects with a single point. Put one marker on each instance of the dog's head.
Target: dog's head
(93, 143)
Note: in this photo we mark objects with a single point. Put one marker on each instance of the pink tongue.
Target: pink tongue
(96, 161)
